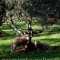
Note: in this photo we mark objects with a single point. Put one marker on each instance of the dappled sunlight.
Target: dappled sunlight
(5, 26)
(36, 27)
(55, 35)
(5, 42)
(56, 44)
(20, 22)
(39, 20)
(53, 39)
(8, 30)
(47, 36)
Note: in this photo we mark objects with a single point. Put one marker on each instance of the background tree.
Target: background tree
(43, 8)
(2, 11)
(46, 11)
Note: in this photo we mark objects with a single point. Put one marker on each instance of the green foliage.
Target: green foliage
(2, 11)
(50, 35)
(39, 7)
(43, 9)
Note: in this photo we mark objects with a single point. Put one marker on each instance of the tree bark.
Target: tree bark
(29, 21)
(0, 21)
(13, 26)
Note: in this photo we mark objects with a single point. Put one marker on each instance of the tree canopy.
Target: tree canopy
(2, 11)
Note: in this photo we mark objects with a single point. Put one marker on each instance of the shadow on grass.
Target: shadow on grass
(5, 53)
(48, 33)
(21, 24)
(9, 37)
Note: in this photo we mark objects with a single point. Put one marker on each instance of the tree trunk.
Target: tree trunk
(0, 21)
(13, 26)
(29, 21)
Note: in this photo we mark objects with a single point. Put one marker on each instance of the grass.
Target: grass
(50, 36)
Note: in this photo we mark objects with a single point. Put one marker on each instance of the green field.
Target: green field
(50, 36)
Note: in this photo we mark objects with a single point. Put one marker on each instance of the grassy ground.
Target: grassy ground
(50, 36)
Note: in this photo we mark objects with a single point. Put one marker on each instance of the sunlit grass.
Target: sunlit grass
(50, 39)
(50, 36)
(36, 27)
